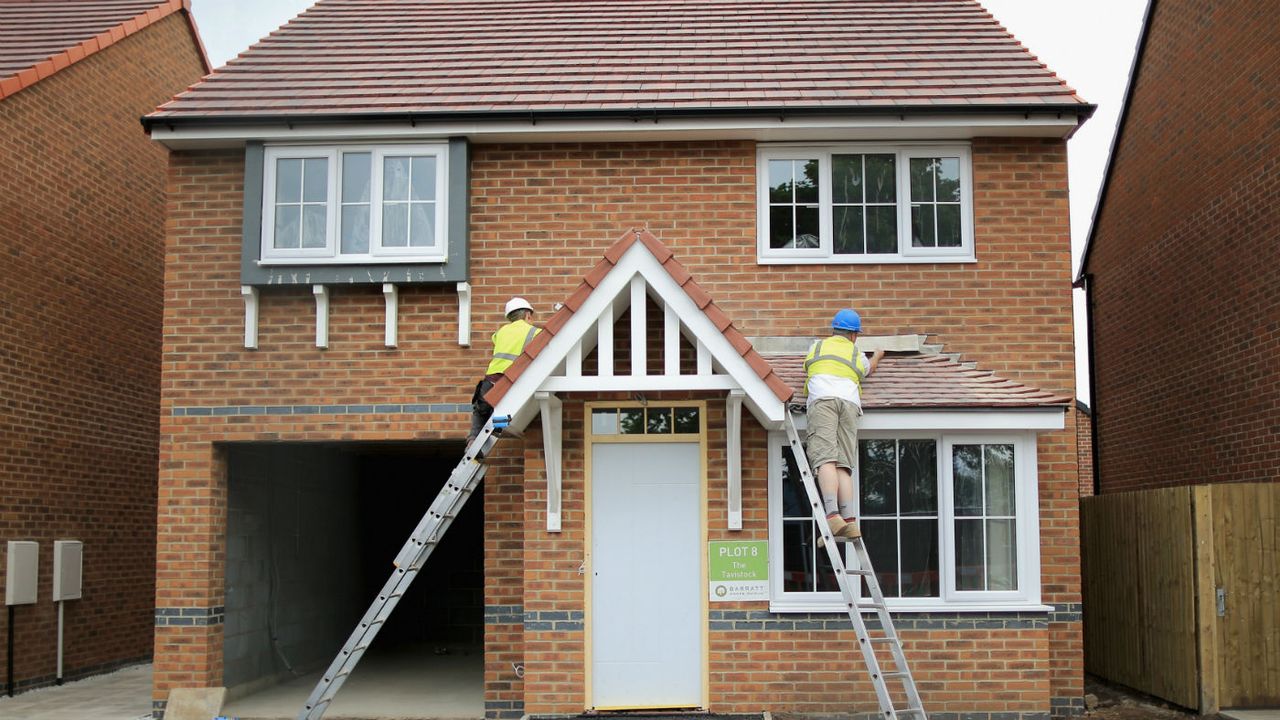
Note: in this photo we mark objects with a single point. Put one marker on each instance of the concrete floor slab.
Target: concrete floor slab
(412, 683)
(121, 695)
(1260, 714)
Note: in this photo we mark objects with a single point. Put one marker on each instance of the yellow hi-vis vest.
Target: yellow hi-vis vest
(508, 343)
(837, 356)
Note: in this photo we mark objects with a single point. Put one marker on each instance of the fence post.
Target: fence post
(1206, 602)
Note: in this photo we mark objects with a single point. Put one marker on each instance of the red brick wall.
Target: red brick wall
(82, 223)
(1185, 289)
(541, 217)
(1084, 450)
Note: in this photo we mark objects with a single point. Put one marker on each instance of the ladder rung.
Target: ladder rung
(895, 674)
(910, 711)
(890, 639)
(853, 571)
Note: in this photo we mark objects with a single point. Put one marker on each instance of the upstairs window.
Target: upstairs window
(864, 204)
(358, 204)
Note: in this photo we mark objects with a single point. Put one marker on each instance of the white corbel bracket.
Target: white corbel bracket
(392, 295)
(552, 412)
(250, 295)
(464, 314)
(322, 315)
(733, 454)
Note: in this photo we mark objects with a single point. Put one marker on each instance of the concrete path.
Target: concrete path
(121, 695)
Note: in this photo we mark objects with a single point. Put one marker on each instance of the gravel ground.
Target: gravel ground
(1104, 701)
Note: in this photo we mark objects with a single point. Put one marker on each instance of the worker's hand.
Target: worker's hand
(875, 360)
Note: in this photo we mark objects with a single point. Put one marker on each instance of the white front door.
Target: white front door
(646, 585)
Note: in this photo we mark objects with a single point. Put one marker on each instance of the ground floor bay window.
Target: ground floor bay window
(950, 521)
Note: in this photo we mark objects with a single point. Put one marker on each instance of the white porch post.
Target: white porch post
(322, 315)
(464, 314)
(250, 295)
(552, 412)
(392, 296)
(733, 453)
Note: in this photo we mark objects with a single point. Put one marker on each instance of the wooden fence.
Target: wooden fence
(1182, 593)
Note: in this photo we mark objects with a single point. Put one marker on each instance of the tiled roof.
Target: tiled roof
(682, 277)
(919, 380)
(41, 37)
(395, 57)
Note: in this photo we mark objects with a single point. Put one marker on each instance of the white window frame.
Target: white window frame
(331, 254)
(825, 253)
(1026, 489)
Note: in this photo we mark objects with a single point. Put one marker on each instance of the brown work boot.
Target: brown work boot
(850, 530)
(835, 523)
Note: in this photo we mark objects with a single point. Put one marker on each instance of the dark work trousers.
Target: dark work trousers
(481, 411)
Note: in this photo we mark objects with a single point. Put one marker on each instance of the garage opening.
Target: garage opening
(312, 529)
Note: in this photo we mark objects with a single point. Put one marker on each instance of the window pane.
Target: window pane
(948, 226)
(781, 227)
(847, 222)
(631, 421)
(826, 575)
(999, 471)
(969, 555)
(966, 464)
(315, 180)
(355, 177)
(395, 178)
(288, 226)
(422, 224)
(314, 219)
(604, 422)
(878, 477)
(659, 420)
(780, 181)
(807, 181)
(795, 501)
(948, 179)
(920, 563)
(424, 178)
(797, 556)
(922, 180)
(807, 227)
(882, 229)
(355, 229)
(881, 538)
(918, 475)
(687, 422)
(1002, 555)
(288, 180)
(846, 180)
(922, 228)
(882, 179)
(395, 224)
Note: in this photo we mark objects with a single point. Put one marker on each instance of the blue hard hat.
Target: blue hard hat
(847, 319)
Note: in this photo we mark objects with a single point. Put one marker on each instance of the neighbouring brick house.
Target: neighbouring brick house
(1184, 320)
(81, 295)
(700, 186)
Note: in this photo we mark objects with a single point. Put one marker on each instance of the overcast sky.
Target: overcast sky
(1089, 43)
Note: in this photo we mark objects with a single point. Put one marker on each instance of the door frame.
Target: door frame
(589, 441)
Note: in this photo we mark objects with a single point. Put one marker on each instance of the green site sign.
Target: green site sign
(738, 570)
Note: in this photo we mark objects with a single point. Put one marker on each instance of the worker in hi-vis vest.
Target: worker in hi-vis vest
(834, 371)
(508, 343)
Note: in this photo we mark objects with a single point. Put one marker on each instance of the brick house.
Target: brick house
(81, 297)
(1195, 166)
(686, 193)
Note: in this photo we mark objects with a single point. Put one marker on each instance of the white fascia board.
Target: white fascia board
(759, 397)
(764, 129)
(1038, 419)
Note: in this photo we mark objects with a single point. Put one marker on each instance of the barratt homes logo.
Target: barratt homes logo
(721, 591)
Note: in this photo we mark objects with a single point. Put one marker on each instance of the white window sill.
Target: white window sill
(866, 260)
(361, 260)
(838, 607)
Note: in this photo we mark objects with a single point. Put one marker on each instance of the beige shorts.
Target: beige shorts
(833, 433)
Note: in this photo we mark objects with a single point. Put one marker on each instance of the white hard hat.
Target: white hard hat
(517, 303)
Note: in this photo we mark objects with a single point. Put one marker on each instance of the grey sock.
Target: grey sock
(848, 510)
(830, 506)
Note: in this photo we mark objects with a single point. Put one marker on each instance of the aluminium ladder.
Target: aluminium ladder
(847, 578)
(461, 483)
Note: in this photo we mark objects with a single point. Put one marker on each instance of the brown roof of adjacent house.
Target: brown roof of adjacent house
(40, 37)
(371, 58)
(921, 380)
(592, 279)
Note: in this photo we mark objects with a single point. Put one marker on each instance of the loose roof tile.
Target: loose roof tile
(40, 37)
(397, 57)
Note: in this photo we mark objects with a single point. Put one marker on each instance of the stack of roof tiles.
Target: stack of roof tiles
(370, 57)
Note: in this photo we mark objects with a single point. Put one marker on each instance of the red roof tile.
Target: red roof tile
(915, 380)
(611, 257)
(371, 57)
(41, 37)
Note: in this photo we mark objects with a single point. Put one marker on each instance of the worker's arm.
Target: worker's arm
(875, 360)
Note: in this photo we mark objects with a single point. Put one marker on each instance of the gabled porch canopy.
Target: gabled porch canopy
(637, 270)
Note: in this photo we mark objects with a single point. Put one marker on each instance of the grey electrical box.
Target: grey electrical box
(22, 566)
(67, 562)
